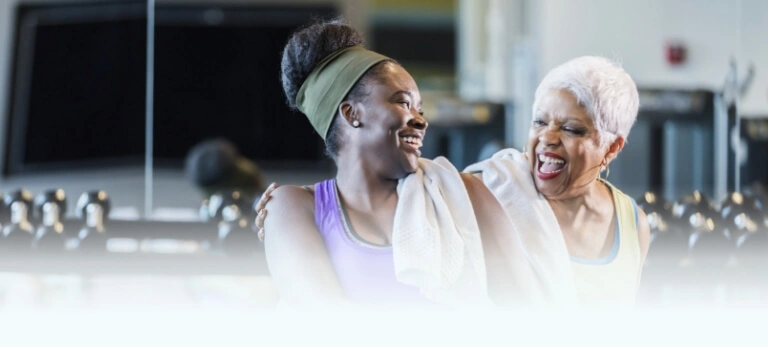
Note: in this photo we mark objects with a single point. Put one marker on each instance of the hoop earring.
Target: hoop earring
(604, 167)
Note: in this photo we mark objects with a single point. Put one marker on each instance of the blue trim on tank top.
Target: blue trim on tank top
(609, 257)
(634, 208)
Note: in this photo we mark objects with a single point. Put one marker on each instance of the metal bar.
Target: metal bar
(149, 104)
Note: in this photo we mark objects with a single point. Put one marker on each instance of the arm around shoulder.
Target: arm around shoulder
(498, 242)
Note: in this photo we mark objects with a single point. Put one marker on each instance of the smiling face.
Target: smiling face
(392, 126)
(563, 146)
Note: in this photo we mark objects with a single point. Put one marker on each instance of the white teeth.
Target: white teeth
(412, 140)
(549, 160)
(546, 172)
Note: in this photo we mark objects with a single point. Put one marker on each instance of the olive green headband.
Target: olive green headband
(330, 81)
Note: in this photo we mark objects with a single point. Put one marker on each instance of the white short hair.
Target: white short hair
(603, 88)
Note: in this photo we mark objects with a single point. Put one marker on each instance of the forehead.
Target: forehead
(393, 77)
(561, 104)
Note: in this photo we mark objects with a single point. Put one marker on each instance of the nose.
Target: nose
(418, 122)
(549, 136)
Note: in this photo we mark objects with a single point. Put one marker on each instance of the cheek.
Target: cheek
(587, 156)
(533, 139)
(532, 134)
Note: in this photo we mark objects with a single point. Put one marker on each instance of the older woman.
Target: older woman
(582, 114)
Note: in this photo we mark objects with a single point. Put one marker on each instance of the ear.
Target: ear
(351, 112)
(614, 149)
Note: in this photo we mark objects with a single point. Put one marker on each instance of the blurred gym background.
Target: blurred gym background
(135, 120)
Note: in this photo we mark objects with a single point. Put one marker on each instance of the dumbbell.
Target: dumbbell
(752, 245)
(50, 207)
(669, 243)
(217, 201)
(93, 208)
(203, 211)
(742, 216)
(18, 235)
(707, 241)
(235, 236)
(759, 193)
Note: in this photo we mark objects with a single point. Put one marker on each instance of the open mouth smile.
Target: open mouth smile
(549, 165)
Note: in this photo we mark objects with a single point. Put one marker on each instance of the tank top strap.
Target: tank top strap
(327, 218)
(626, 215)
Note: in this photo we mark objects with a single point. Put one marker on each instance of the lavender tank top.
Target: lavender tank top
(366, 271)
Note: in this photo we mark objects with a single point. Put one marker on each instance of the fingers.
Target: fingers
(265, 197)
(261, 234)
(260, 206)
(260, 219)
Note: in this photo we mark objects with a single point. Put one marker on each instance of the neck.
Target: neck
(590, 204)
(360, 187)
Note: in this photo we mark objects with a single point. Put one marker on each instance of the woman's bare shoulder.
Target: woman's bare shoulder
(293, 197)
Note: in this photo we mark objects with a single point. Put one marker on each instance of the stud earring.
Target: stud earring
(356, 123)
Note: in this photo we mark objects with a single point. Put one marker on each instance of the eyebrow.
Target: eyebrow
(539, 114)
(568, 119)
(406, 92)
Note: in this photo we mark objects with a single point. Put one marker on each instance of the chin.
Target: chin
(410, 164)
(547, 190)
(411, 169)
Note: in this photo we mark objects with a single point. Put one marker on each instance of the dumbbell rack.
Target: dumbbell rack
(206, 260)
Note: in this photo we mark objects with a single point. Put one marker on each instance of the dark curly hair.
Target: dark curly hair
(310, 45)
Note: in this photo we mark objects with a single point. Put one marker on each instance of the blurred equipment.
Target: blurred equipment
(707, 241)
(731, 149)
(235, 236)
(752, 245)
(18, 235)
(754, 135)
(463, 131)
(671, 146)
(741, 214)
(217, 166)
(489, 149)
(93, 208)
(669, 243)
(50, 208)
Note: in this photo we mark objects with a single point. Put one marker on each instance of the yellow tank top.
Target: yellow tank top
(611, 282)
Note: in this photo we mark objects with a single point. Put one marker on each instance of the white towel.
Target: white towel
(508, 176)
(436, 240)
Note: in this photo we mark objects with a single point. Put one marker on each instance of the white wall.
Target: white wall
(755, 48)
(635, 32)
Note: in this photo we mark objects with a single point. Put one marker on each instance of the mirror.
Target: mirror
(217, 87)
(75, 116)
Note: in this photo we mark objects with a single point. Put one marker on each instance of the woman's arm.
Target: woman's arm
(503, 260)
(296, 253)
